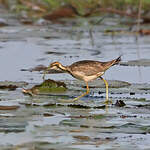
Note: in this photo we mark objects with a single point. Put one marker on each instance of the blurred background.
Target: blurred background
(35, 33)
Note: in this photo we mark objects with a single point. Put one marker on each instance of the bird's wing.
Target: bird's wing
(87, 67)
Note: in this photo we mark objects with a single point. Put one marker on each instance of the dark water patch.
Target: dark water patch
(55, 53)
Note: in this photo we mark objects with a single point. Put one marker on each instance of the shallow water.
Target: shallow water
(41, 122)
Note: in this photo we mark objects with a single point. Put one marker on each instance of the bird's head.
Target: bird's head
(55, 66)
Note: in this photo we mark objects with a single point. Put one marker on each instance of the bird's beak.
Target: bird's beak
(45, 72)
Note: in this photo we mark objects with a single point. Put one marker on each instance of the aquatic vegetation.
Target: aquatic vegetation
(9, 85)
(48, 86)
(40, 8)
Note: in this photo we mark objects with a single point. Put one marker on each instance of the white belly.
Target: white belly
(90, 78)
(81, 76)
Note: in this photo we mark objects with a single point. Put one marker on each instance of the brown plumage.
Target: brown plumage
(90, 67)
(86, 70)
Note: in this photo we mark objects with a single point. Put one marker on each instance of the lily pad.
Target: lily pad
(9, 107)
(48, 86)
(11, 85)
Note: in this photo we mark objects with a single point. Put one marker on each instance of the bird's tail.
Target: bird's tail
(116, 61)
(107, 65)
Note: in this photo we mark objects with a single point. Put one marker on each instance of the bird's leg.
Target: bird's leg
(106, 84)
(77, 98)
(87, 91)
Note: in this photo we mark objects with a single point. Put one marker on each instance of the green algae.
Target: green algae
(51, 86)
(48, 86)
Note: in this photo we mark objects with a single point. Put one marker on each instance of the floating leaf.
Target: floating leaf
(83, 138)
(9, 107)
(11, 85)
(48, 86)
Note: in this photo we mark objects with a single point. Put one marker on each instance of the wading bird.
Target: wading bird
(86, 70)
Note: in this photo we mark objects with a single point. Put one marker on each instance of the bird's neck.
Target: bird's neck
(63, 68)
